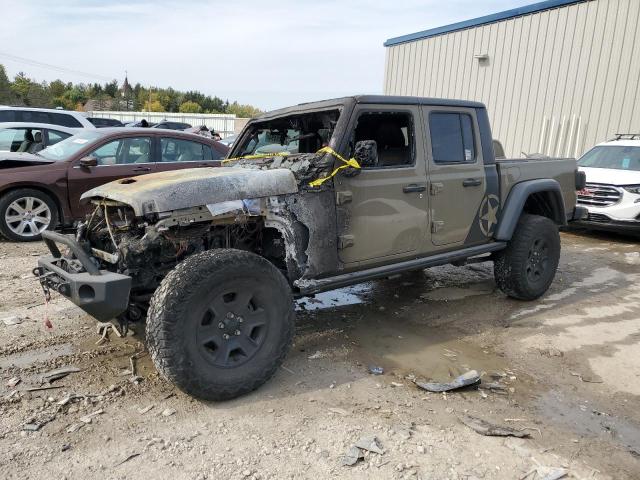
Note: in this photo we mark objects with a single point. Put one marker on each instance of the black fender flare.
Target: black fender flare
(517, 198)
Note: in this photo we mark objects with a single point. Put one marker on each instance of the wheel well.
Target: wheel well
(46, 191)
(546, 204)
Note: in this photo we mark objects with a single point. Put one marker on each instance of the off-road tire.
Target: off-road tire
(512, 266)
(183, 302)
(7, 199)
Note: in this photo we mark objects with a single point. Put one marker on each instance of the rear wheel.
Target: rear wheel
(26, 213)
(526, 268)
(220, 323)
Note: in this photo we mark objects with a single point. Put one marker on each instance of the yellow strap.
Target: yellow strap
(352, 162)
(257, 156)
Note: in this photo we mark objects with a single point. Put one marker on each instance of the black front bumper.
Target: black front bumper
(100, 293)
(600, 221)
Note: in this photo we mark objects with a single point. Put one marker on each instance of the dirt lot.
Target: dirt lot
(569, 365)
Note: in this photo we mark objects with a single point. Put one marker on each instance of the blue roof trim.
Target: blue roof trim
(474, 22)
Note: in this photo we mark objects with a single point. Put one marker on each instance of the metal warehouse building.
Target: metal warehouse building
(557, 76)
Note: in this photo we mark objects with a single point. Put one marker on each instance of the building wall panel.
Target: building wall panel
(556, 81)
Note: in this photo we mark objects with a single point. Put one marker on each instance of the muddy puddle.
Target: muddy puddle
(341, 297)
(585, 418)
(420, 350)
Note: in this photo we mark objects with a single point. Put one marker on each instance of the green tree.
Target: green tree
(111, 88)
(190, 107)
(6, 94)
(243, 111)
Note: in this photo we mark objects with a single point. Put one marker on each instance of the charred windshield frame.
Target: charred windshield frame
(295, 133)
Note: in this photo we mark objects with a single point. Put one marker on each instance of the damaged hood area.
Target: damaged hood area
(178, 189)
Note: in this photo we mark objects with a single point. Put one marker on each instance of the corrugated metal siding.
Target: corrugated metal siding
(556, 82)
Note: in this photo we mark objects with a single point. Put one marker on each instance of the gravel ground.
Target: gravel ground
(568, 366)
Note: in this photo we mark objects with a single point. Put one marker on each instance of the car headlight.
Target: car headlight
(633, 189)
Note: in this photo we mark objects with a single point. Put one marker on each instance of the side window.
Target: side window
(64, 119)
(124, 151)
(11, 139)
(55, 136)
(394, 136)
(7, 116)
(178, 150)
(452, 139)
(33, 116)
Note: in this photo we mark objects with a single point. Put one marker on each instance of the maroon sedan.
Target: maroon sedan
(41, 191)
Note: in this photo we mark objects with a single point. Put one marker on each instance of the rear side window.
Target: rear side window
(55, 136)
(452, 139)
(7, 116)
(179, 150)
(65, 120)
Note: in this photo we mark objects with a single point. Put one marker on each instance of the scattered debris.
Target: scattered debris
(316, 355)
(88, 418)
(144, 410)
(12, 382)
(339, 411)
(48, 387)
(352, 456)
(370, 443)
(103, 329)
(32, 427)
(397, 384)
(494, 387)
(356, 451)
(12, 320)
(489, 429)
(587, 377)
(465, 380)
(65, 447)
(375, 370)
(133, 455)
(167, 412)
(545, 473)
(58, 373)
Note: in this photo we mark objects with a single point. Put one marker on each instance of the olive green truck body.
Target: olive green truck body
(330, 193)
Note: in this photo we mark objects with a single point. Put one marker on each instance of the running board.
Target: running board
(308, 287)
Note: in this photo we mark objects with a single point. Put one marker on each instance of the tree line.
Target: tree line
(26, 91)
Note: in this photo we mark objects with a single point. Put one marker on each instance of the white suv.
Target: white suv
(66, 118)
(612, 193)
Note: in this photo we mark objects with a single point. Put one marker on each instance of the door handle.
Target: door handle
(142, 169)
(472, 182)
(414, 187)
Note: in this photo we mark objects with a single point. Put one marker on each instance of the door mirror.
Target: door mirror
(366, 153)
(87, 162)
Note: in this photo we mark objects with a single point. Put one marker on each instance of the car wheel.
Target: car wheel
(526, 268)
(26, 213)
(220, 323)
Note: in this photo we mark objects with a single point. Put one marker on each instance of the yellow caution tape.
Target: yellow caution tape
(257, 156)
(352, 162)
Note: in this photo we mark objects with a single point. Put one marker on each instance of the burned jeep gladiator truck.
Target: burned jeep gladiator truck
(311, 198)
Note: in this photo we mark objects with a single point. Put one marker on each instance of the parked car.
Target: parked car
(612, 192)
(66, 118)
(172, 125)
(139, 123)
(31, 137)
(378, 185)
(228, 141)
(100, 122)
(41, 190)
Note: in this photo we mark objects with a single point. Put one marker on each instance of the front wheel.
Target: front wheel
(220, 323)
(526, 268)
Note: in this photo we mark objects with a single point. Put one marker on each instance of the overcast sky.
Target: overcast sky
(269, 54)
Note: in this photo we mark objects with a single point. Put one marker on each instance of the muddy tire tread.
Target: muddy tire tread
(168, 302)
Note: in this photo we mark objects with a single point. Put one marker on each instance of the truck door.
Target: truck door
(457, 183)
(382, 211)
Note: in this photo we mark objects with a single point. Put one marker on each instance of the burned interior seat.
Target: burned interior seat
(392, 149)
